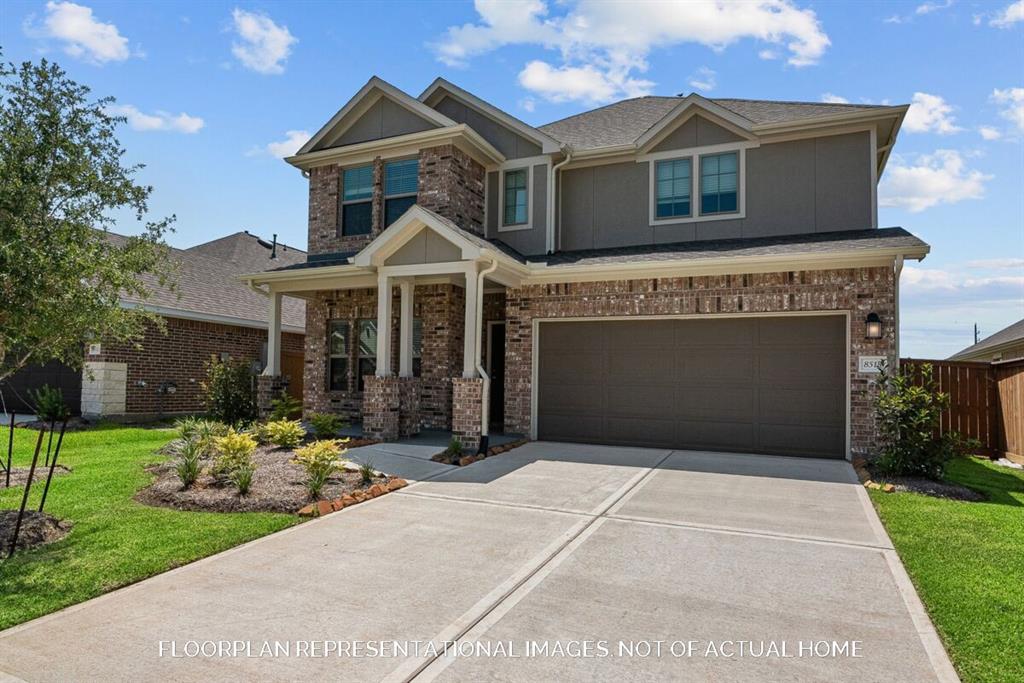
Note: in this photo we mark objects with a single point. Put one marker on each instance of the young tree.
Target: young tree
(62, 179)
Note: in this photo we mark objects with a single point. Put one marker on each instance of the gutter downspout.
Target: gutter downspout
(485, 407)
(555, 201)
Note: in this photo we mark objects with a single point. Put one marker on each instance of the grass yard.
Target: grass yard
(115, 541)
(967, 562)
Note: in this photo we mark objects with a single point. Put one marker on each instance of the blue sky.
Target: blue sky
(215, 92)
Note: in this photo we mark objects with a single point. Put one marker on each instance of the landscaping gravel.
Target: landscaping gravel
(938, 489)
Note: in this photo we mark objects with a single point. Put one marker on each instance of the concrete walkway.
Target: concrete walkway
(526, 561)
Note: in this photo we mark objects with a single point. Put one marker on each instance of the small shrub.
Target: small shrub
(205, 433)
(320, 459)
(186, 427)
(454, 449)
(325, 425)
(908, 414)
(187, 466)
(241, 477)
(366, 471)
(234, 451)
(49, 404)
(229, 391)
(284, 408)
(284, 433)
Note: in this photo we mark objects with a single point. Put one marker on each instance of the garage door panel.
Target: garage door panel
(631, 366)
(758, 384)
(716, 402)
(719, 364)
(710, 332)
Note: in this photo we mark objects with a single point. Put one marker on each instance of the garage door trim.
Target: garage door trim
(535, 346)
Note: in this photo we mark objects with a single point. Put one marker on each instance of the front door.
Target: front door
(496, 370)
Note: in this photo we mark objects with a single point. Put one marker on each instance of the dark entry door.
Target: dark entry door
(757, 385)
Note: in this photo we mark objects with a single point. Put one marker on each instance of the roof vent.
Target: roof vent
(273, 248)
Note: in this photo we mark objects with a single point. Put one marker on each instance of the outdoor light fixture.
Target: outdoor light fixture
(873, 326)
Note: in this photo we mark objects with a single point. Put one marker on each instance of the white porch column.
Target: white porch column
(405, 287)
(273, 335)
(472, 326)
(383, 326)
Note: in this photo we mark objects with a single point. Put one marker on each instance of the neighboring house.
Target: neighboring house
(210, 314)
(1006, 344)
(676, 272)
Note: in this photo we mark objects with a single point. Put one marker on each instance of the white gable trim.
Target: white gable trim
(375, 88)
(407, 227)
(440, 87)
(688, 107)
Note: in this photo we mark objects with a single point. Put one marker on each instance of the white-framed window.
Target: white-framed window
(699, 184)
(338, 349)
(516, 186)
(400, 182)
(357, 201)
(366, 351)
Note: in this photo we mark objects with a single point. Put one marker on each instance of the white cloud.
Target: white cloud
(293, 140)
(767, 54)
(929, 7)
(997, 263)
(833, 99)
(930, 113)
(84, 36)
(703, 79)
(1012, 100)
(157, 121)
(989, 133)
(605, 43)
(264, 45)
(527, 104)
(1010, 15)
(939, 178)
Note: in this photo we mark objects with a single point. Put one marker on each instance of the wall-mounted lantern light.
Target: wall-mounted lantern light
(873, 326)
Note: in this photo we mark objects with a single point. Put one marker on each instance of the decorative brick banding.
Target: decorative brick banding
(857, 290)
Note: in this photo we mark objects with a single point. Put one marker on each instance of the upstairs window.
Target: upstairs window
(400, 181)
(357, 201)
(674, 185)
(338, 350)
(516, 203)
(719, 187)
(366, 350)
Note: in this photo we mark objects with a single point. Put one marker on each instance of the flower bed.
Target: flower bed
(459, 459)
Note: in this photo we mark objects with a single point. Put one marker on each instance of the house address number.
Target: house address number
(870, 364)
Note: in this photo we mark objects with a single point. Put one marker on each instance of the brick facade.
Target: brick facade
(381, 408)
(860, 291)
(440, 307)
(325, 192)
(268, 389)
(180, 356)
(451, 184)
(467, 402)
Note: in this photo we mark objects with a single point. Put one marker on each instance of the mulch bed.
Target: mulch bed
(936, 489)
(462, 460)
(20, 474)
(37, 528)
(277, 486)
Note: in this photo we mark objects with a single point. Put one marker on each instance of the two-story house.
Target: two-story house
(663, 271)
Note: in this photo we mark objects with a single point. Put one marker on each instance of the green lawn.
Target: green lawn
(967, 562)
(115, 541)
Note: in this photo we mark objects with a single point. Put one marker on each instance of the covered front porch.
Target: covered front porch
(413, 359)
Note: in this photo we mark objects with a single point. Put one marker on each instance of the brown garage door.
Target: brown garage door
(757, 385)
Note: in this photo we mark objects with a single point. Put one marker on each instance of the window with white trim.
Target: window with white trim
(366, 350)
(400, 183)
(719, 183)
(674, 184)
(357, 201)
(515, 194)
(338, 353)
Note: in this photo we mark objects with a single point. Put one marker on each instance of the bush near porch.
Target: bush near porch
(115, 540)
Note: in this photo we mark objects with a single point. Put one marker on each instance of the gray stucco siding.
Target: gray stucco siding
(504, 139)
(384, 119)
(802, 186)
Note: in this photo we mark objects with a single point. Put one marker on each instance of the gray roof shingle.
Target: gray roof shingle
(1014, 332)
(814, 243)
(623, 122)
(206, 281)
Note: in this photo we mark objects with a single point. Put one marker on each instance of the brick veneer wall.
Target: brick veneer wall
(451, 184)
(860, 290)
(467, 402)
(325, 191)
(441, 309)
(180, 356)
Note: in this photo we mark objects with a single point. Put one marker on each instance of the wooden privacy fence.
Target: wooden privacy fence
(986, 401)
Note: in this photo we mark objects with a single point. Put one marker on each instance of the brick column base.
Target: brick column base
(381, 407)
(269, 388)
(409, 406)
(467, 409)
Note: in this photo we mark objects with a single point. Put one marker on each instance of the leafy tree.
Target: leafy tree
(62, 180)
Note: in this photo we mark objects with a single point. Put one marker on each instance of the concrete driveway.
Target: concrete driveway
(551, 562)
